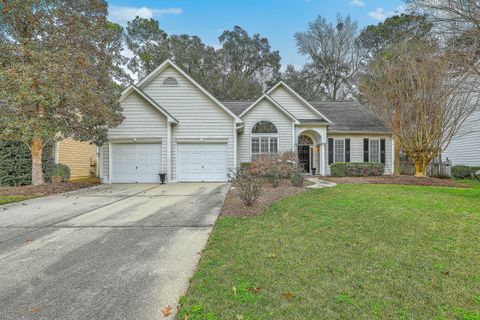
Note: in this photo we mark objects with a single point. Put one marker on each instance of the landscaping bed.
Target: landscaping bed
(233, 205)
(46, 189)
(402, 180)
(348, 252)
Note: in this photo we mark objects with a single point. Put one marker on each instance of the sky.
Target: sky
(277, 20)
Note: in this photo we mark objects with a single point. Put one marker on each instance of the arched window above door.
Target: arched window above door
(305, 140)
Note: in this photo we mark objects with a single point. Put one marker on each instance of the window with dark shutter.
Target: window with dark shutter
(365, 150)
(330, 151)
(382, 151)
(347, 150)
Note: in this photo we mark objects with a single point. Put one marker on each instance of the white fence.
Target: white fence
(434, 169)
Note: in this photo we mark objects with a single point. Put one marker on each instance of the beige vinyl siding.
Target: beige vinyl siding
(142, 122)
(465, 146)
(292, 104)
(198, 116)
(264, 110)
(356, 149)
(78, 156)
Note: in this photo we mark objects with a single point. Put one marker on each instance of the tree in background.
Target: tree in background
(457, 22)
(334, 54)
(56, 74)
(434, 95)
(306, 82)
(239, 70)
(376, 39)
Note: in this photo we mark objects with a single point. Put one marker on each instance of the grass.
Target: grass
(349, 252)
(10, 199)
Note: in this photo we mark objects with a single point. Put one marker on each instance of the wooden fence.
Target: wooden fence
(435, 169)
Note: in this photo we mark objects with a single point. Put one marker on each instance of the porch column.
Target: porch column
(169, 151)
(322, 158)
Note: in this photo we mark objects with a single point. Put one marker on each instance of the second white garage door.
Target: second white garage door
(202, 162)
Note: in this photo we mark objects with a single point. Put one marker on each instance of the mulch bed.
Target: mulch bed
(403, 180)
(46, 189)
(233, 205)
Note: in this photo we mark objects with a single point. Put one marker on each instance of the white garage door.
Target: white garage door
(136, 162)
(202, 162)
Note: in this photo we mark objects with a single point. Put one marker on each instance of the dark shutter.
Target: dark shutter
(330, 151)
(365, 150)
(347, 150)
(382, 150)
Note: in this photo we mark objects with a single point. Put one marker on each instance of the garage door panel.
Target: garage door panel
(202, 162)
(136, 162)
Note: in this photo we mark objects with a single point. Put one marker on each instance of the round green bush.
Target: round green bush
(62, 170)
(462, 172)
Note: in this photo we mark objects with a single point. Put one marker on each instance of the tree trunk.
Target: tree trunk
(37, 174)
(420, 168)
(396, 168)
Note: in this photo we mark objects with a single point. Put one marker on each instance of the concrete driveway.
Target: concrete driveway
(111, 252)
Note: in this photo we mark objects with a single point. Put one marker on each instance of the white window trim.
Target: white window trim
(334, 150)
(370, 149)
(263, 135)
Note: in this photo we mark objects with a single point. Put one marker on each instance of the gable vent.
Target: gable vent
(170, 82)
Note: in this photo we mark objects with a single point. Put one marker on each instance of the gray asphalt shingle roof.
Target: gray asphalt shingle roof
(345, 116)
(349, 116)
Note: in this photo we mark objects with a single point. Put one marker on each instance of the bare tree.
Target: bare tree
(421, 96)
(334, 54)
(457, 22)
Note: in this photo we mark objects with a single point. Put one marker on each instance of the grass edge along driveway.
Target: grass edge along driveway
(349, 252)
(11, 199)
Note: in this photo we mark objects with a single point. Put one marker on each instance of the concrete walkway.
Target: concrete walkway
(112, 252)
(319, 184)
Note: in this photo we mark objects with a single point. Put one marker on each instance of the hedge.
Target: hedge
(356, 169)
(16, 163)
(463, 172)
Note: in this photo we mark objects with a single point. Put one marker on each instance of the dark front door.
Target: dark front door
(304, 157)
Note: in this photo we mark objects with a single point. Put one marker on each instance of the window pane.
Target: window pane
(264, 127)
(264, 145)
(273, 145)
(339, 150)
(255, 146)
(374, 150)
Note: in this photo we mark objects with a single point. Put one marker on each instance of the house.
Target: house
(464, 149)
(80, 157)
(173, 125)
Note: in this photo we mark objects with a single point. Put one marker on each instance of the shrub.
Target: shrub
(463, 172)
(282, 163)
(338, 169)
(298, 177)
(62, 170)
(16, 163)
(274, 175)
(356, 169)
(245, 165)
(249, 188)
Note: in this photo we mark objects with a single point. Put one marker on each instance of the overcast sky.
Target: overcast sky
(277, 20)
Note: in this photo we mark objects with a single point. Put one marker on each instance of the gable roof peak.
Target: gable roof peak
(297, 96)
(169, 63)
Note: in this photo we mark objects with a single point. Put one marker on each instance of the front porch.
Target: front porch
(310, 148)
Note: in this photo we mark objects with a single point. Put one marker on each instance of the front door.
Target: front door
(304, 157)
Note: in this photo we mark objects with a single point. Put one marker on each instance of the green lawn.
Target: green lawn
(349, 252)
(10, 199)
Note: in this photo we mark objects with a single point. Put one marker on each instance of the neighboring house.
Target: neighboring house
(80, 157)
(173, 125)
